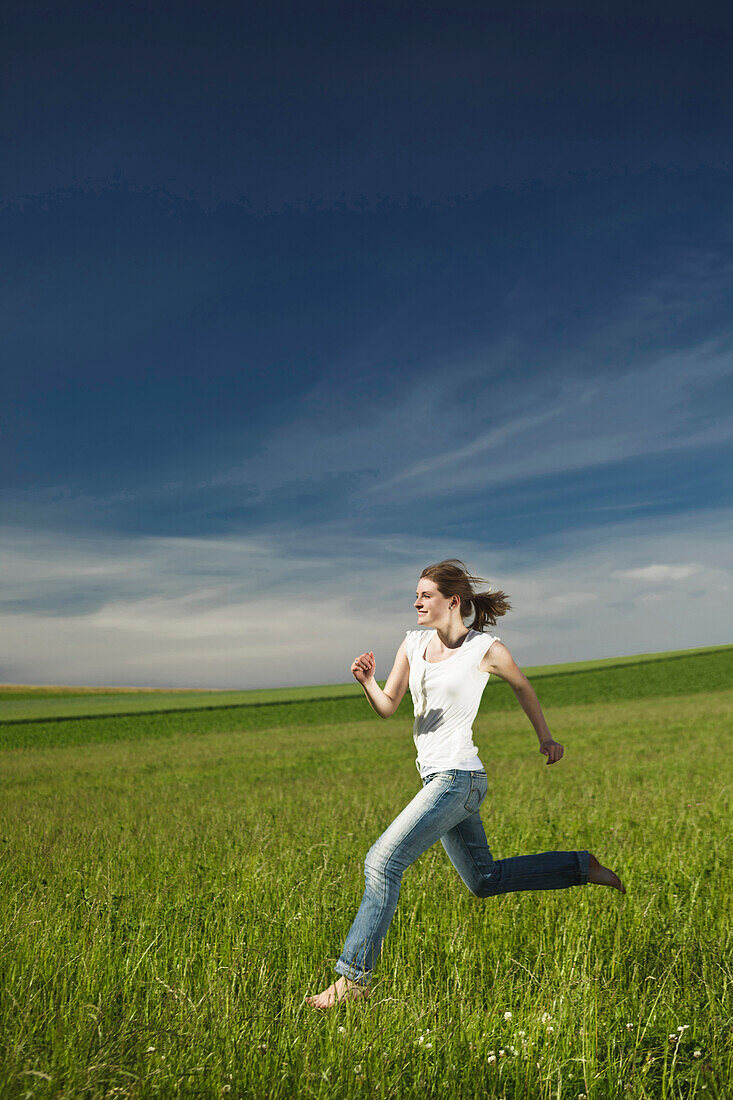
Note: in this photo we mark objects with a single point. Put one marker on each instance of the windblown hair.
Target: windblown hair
(453, 579)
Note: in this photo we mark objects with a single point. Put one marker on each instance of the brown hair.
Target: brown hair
(453, 579)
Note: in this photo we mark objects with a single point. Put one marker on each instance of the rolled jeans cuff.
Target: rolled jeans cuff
(583, 861)
(353, 973)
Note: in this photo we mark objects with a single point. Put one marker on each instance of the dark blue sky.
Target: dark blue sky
(347, 286)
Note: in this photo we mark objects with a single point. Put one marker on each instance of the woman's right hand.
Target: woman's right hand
(363, 667)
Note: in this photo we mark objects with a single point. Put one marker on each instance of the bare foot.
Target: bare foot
(603, 875)
(342, 990)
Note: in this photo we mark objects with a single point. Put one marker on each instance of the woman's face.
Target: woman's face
(432, 607)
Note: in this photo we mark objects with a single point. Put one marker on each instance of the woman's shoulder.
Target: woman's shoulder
(482, 641)
(413, 639)
(485, 636)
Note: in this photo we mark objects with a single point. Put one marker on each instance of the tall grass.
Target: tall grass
(168, 900)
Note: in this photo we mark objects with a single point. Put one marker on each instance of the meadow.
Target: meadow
(175, 882)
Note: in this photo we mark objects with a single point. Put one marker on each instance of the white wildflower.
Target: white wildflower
(507, 1015)
(502, 1053)
(150, 1050)
(521, 1034)
(550, 1028)
(342, 1029)
(697, 1054)
(491, 1059)
(629, 1027)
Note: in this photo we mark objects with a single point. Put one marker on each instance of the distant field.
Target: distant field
(82, 703)
(27, 703)
(174, 883)
(680, 674)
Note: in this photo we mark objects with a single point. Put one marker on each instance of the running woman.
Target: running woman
(447, 666)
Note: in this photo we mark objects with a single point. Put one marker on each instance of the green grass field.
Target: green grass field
(174, 883)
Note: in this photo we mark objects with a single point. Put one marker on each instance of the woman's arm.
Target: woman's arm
(499, 660)
(385, 702)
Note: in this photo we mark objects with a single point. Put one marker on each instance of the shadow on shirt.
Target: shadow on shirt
(430, 720)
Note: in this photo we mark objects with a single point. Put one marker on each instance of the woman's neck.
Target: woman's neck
(452, 636)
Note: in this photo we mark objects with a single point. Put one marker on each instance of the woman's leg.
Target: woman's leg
(468, 851)
(439, 805)
(437, 808)
(485, 876)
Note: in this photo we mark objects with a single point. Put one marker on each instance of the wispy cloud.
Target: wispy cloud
(616, 392)
(481, 445)
(658, 407)
(659, 573)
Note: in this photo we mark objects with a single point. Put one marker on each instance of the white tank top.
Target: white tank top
(446, 698)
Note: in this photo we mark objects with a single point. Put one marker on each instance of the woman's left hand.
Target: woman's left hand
(553, 750)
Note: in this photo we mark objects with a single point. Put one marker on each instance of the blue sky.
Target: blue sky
(298, 300)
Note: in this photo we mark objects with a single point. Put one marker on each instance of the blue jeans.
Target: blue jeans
(446, 809)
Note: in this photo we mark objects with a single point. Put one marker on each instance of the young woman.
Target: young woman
(447, 667)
